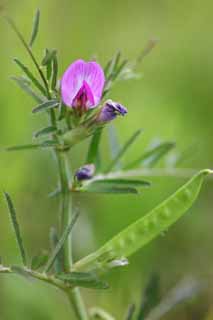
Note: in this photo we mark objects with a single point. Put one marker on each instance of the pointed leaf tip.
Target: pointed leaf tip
(35, 27)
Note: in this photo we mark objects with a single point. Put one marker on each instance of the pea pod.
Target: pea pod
(146, 228)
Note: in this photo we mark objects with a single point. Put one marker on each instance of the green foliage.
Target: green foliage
(31, 77)
(35, 27)
(25, 85)
(45, 144)
(48, 57)
(123, 150)
(82, 279)
(16, 227)
(60, 243)
(150, 296)
(114, 145)
(45, 131)
(93, 150)
(152, 156)
(115, 186)
(39, 261)
(47, 105)
(130, 312)
(58, 263)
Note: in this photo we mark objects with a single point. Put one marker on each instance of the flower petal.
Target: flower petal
(79, 73)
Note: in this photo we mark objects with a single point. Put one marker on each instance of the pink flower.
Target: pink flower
(82, 85)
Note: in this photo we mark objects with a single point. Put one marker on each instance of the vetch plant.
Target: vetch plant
(78, 109)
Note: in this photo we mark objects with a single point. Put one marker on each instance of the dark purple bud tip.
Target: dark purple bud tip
(110, 111)
(86, 172)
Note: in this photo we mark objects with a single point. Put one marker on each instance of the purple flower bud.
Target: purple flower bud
(86, 172)
(82, 85)
(110, 111)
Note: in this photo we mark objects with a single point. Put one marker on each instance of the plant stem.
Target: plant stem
(73, 295)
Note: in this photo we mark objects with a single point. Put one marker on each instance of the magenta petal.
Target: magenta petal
(86, 76)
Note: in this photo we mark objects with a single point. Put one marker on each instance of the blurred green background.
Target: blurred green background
(173, 100)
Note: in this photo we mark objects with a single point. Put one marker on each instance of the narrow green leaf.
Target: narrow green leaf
(35, 27)
(148, 227)
(55, 73)
(45, 144)
(49, 104)
(54, 193)
(23, 147)
(30, 76)
(81, 279)
(45, 131)
(114, 145)
(130, 312)
(150, 296)
(49, 70)
(93, 147)
(39, 261)
(110, 189)
(186, 289)
(97, 313)
(118, 182)
(49, 55)
(151, 157)
(123, 150)
(25, 86)
(58, 263)
(16, 228)
(60, 243)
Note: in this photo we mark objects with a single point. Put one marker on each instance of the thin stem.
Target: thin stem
(73, 295)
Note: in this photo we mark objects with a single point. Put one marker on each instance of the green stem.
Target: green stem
(73, 295)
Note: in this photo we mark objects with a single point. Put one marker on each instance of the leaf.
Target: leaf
(99, 314)
(16, 227)
(35, 27)
(54, 193)
(39, 261)
(49, 70)
(186, 289)
(30, 76)
(49, 55)
(45, 131)
(151, 157)
(60, 243)
(114, 145)
(45, 144)
(55, 73)
(116, 186)
(82, 279)
(93, 147)
(130, 312)
(109, 70)
(47, 105)
(148, 227)
(58, 263)
(118, 182)
(110, 189)
(25, 86)
(150, 296)
(123, 150)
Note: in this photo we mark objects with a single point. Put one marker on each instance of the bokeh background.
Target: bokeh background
(173, 100)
